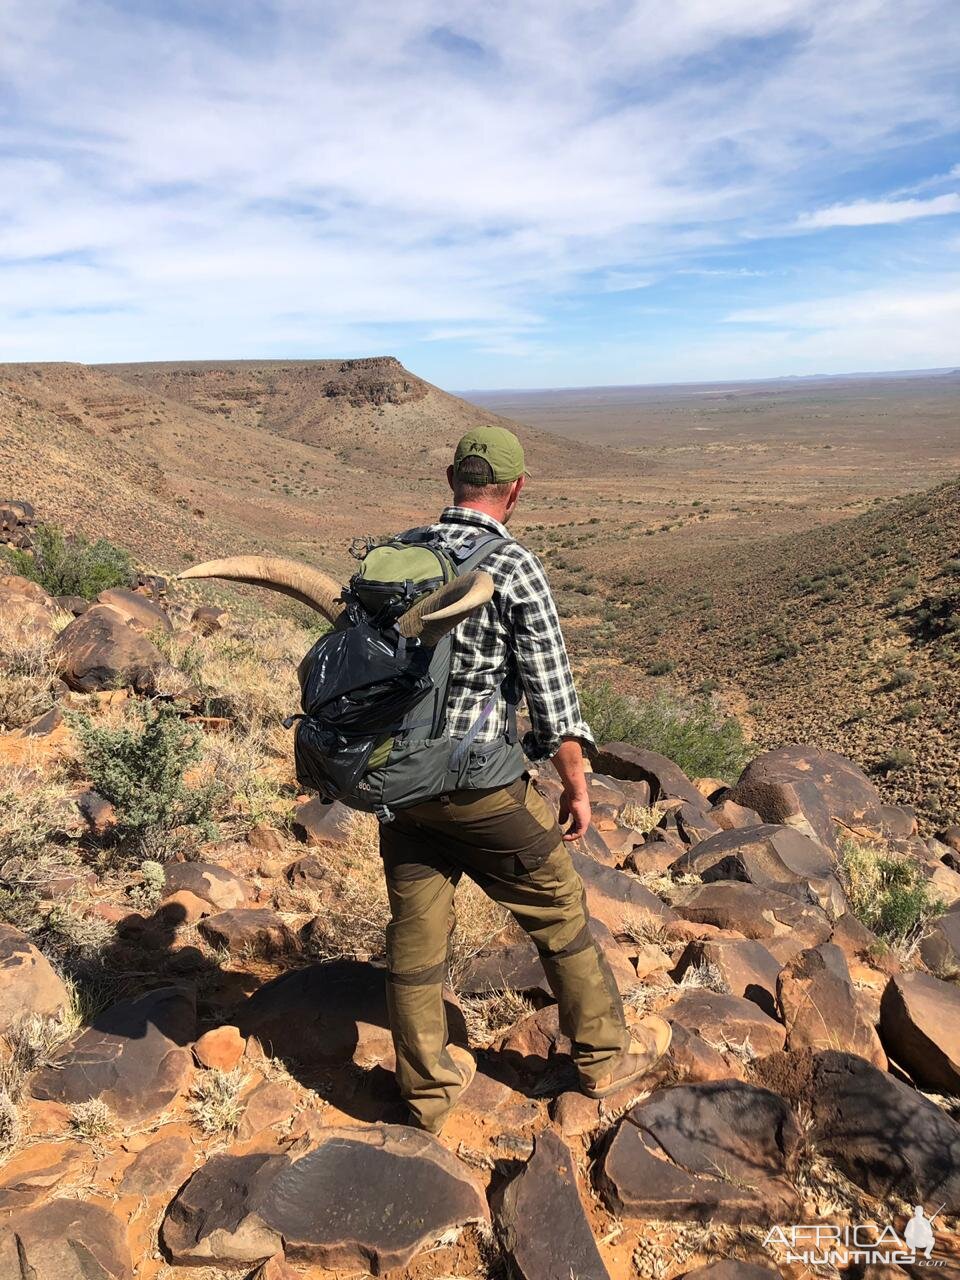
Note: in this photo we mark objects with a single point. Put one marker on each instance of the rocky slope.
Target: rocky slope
(213, 1088)
(847, 636)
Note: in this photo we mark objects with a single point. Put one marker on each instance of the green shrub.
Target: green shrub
(660, 667)
(887, 892)
(73, 566)
(693, 733)
(140, 770)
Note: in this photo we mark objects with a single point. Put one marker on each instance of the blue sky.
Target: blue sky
(523, 194)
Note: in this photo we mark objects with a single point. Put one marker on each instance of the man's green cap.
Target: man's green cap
(497, 446)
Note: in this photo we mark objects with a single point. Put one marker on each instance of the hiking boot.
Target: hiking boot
(466, 1063)
(650, 1040)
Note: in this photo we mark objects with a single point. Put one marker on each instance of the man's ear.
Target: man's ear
(450, 475)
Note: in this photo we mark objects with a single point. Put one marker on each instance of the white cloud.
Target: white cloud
(244, 176)
(868, 213)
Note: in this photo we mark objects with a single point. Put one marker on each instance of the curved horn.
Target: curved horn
(309, 586)
(432, 617)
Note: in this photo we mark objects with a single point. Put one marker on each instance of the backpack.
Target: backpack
(373, 731)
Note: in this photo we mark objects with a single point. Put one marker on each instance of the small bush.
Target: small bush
(897, 758)
(660, 667)
(887, 892)
(694, 734)
(73, 566)
(140, 770)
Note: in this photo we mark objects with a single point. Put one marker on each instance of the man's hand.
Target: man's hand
(575, 801)
(576, 808)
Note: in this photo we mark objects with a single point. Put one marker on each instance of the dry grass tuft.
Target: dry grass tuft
(490, 1016)
(216, 1106)
(641, 817)
(92, 1119)
(667, 1245)
(705, 977)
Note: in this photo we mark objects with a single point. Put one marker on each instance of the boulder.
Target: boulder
(593, 844)
(358, 1199)
(207, 880)
(920, 1029)
(517, 967)
(899, 822)
(665, 779)
(728, 815)
(249, 931)
(134, 1056)
(693, 825)
(541, 1220)
(782, 923)
(812, 790)
(317, 1015)
(160, 1166)
(886, 1137)
(309, 872)
(766, 855)
(819, 1006)
(208, 619)
(142, 614)
(745, 966)
(690, 1060)
(72, 604)
(718, 1152)
(99, 651)
(950, 836)
(29, 984)
(220, 1049)
(727, 1022)
(616, 896)
(940, 948)
(64, 1240)
(317, 823)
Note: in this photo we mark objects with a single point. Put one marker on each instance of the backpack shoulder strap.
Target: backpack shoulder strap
(473, 555)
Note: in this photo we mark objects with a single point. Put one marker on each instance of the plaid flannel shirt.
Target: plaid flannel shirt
(517, 634)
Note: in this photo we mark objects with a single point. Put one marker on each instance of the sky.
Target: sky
(529, 193)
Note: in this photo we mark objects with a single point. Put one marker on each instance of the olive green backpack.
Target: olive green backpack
(373, 732)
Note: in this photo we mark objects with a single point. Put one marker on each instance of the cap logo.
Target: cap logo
(478, 446)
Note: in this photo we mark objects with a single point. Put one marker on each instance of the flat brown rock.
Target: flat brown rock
(618, 896)
(251, 930)
(136, 609)
(770, 854)
(134, 1056)
(64, 1240)
(317, 823)
(819, 1007)
(884, 1135)
(745, 967)
(358, 1198)
(217, 885)
(29, 984)
(727, 1021)
(812, 790)
(784, 924)
(665, 779)
(99, 651)
(315, 1015)
(541, 1220)
(159, 1167)
(920, 1029)
(716, 1152)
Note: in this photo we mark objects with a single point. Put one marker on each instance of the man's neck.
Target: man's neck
(485, 509)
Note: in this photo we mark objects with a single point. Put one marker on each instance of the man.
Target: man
(506, 838)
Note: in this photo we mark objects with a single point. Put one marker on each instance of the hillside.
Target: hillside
(179, 461)
(847, 636)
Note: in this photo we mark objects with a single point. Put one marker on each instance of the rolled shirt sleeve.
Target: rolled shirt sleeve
(542, 664)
